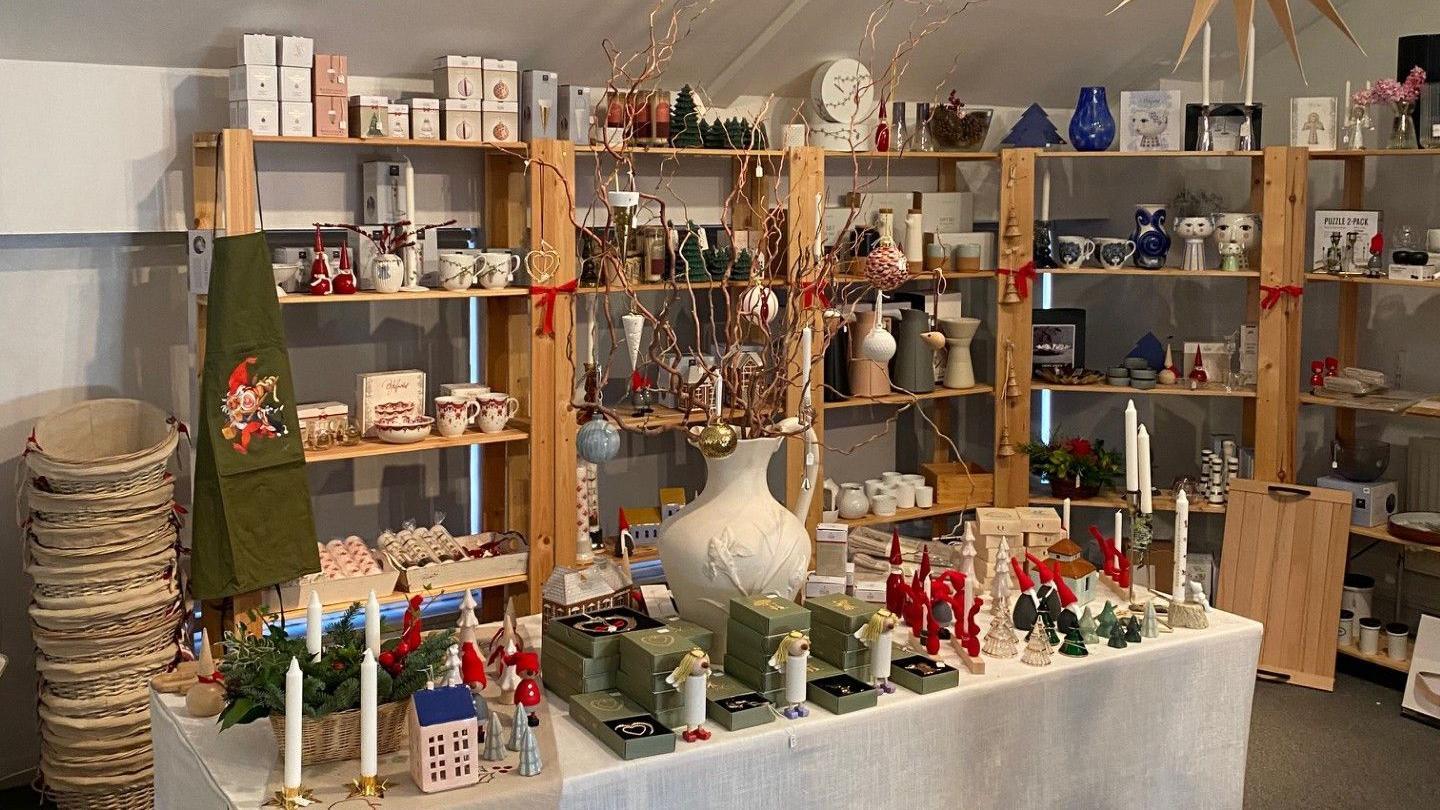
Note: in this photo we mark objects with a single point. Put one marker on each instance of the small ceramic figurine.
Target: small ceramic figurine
(1047, 599)
(1194, 230)
(1132, 630)
(207, 697)
(792, 657)
(1026, 608)
(1150, 628)
(503, 647)
(876, 635)
(895, 583)
(691, 676)
(527, 691)
(1117, 636)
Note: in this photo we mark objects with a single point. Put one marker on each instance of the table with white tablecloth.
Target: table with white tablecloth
(1163, 723)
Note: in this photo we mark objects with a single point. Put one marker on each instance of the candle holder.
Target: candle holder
(1138, 548)
(292, 798)
(370, 786)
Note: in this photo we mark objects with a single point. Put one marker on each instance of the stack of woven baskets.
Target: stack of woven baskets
(106, 611)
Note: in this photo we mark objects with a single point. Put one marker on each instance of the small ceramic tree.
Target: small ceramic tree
(494, 739)
(529, 752)
(522, 720)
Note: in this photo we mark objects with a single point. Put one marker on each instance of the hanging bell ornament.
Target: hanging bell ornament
(1012, 231)
(598, 441)
(1005, 447)
(633, 324)
(1011, 294)
(878, 345)
(1012, 385)
(717, 440)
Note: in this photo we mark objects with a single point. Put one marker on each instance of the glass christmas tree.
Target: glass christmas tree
(1150, 628)
(522, 721)
(494, 739)
(1000, 639)
(1106, 621)
(1089, 628)
(1132, 631)
(1117, 636)
(692, 258)
(1037, 649)
(1074, 644)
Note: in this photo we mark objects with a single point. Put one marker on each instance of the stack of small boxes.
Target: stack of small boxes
(834, 619)
(330, 81)
(575, 661)
(647, 657)
(755, 628)
(831, 574)
(271, 89)
(477, 98)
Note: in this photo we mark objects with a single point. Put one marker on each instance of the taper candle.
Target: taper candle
(1065, 517)
(314, 614)
(806, 336)
(1142, 451)
(1182, 544)
(294, 722)
(372, 625)
(1205, 68)
(1045, 196)
(1132, 483)
(1250, 64)
(1119, 531)
(367, 715)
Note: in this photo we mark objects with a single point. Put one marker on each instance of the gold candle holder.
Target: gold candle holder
(372, 786)
(292, 798)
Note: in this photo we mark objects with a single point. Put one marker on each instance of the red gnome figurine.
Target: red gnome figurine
(527, 666)
(1026, 608)
(319, 270)
(472, 666)
(1069, 607)
(344, 281)
(895, 583)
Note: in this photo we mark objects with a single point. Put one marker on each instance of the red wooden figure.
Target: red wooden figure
(319, 271)
(895, 583)
(344, 281)
(1317, 373)
(527, 666)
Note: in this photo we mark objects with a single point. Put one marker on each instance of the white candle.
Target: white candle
(1142, 451)
(294, 719)
(412, 254)
(719, 390)
(1182, 543)
(1250, 64)
(1119, 531)
(1045, 196)
(313, 615)
(1205, 68)
(367, 715)
(806, 335)
(962, 622)
(1345, 102)
(1065, 517)
(372, 625)
(1132, 483)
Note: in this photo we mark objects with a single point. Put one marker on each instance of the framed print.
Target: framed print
(1313, 122)
(1058, 338)
(1151, 120)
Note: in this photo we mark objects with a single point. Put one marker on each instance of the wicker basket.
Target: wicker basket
(336, 736)
(101, 437)
(141, 797)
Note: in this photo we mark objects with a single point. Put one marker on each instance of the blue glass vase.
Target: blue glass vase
(1092, 129)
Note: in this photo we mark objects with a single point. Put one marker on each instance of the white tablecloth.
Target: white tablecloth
(1161, 724)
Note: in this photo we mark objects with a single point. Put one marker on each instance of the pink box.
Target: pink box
(332, 75)
(332, 117)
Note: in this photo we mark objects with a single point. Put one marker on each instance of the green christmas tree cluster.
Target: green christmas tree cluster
(685, 125)
(734, 133)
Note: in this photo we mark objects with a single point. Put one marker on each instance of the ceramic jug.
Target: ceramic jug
(914, 360)
(1152, 243)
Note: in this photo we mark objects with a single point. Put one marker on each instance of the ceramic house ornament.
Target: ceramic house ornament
(444, 739)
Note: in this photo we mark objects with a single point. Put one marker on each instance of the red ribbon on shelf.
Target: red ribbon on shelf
(813, 291)
(1023, 277)
(1273, 294)
(547, 302)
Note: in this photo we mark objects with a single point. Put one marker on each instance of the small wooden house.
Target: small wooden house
(1079, 575)
(444, 739)
(568, 591)
(672, 500)
(643, 523)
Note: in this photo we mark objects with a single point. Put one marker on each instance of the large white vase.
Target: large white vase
(735, 539)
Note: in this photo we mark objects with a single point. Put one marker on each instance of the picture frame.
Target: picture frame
(1225, 123)
(1314, 120)
(1058, 338)
(1151, 120)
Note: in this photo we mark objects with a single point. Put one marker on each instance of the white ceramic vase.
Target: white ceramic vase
(735, 539)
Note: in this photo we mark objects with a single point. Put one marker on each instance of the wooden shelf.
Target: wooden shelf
(912, 155)
(1342, 154)
(1177, 390)
(1163, 501)
(948, 275)
(677, 286)
(1382, 533)
(1168, 153)
(1382, 282)
(676, 151)
(399, 597)
(662, 417)
(905, 399)
(1163, 271)
(1350, 405)
(374, 297)
(902, 515)
(375, 447)
(1380, 660)
(396, 142)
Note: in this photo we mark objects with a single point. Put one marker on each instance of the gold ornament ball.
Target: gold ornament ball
(718, 440)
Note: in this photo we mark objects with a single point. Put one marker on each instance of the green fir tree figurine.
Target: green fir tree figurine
(1117, 636)
(1106, 621)
(685, 125)
(1089, 628)
(1050, 634)
(1132, 631)
(691, 264)
(743, 262)
(1074, 644)
(713, 134)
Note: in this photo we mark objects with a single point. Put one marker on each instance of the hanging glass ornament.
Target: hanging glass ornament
(598, 441)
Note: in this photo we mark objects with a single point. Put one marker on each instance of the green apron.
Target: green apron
(252, 524)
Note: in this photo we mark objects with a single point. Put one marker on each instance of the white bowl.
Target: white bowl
(408, 430)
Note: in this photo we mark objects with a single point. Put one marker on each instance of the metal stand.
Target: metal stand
(1141, 533)
(1204, 141)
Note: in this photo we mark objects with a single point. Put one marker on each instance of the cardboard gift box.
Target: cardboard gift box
(424, 118)
(384, 390)
(458, 572)
(297, 119)
(332, 116)
(295, 51)
(734, 705)
(575, 114)
(461, 118)
(831, 549)
(921, 673)
(502, 78)
(841, 693)
(331, 75)
(369, 117)
(564, 681)
(398, 123)
(260, 117)
(295, 84)
(254, 83)
(553, 649)
(769, 614)
(256, 49)
(459, 77)
(743, 643)
(500, 121)
(621, 724)
(838, 647)
(658, 650)
(295, 595)
(539, 94)
(587, 633)
(840, 612)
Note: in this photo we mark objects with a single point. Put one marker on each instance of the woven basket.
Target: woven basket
(140, 797)
(336, 736)
(98, 510)
(72, 650)
(114, 533)
(164, 540)
(110, 677)
(74, 586)
(103, 616)
(100, 438)
(142, 480)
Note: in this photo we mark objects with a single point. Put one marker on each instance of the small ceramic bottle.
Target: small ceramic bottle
(914, 238)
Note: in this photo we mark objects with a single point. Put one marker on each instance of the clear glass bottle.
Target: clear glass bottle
(923, 141)
(899, 134)
(1430, 115)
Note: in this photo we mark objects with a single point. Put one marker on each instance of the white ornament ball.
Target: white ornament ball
(758, 304)
(878, 345)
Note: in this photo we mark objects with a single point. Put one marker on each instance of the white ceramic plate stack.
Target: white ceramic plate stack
(105, 610)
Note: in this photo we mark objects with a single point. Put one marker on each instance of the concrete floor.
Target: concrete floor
(1308, 749)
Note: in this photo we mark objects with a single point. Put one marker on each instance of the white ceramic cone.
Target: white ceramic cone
(634, 324)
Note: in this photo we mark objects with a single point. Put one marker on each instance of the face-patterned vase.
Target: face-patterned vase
(1152, 243)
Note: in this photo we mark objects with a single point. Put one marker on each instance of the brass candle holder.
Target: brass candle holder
(369, 786)
(292, 798)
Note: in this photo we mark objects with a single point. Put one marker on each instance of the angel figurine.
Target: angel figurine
(691, 676)
(792, 657)
(876, 634)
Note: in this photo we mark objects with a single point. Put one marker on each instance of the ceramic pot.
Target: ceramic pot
(867, 377)
(1068, 489)
(1194, 230)
(1152, 243)
(959, 370)
(735, 539)
(1092, 128)
(1238, 231)
(853, 502)
(388, 272)
(914, 359)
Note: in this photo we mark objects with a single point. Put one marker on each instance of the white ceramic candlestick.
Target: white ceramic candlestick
(314, 614)
(1142, 450)
(294, 723)
(367, 716)
(1182, 544)
(1132, 482)
(372, 624)
(1205, 68)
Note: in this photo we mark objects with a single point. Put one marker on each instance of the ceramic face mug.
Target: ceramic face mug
(457, 270)
(1072, 251)
(497, 269)
(1114, 253)
(496, 410)
(454, 414)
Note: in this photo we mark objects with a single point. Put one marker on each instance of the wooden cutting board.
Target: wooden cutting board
(1282, 564)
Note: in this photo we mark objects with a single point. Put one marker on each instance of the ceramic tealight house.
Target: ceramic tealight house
(569, 591)
(1079, 575)
(672, 500)
(643, 523)
(444, 739)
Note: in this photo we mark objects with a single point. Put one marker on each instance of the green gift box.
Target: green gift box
(622, 725)
(702, 637)
(747, 644)
(735, 705)
(770, 680)
(555, 652)
(562, 681)
(845, 660)
(658, 650)
(841, 693)
(768, 615)
(839, 611)
(860, 673)
(668, 701)
(597, 634)
(634, 682)
(922, 674)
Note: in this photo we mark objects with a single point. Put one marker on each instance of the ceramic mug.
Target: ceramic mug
(496, 411)
(890, 478)
(457, 270)
(1347, 628)
(913, 479)
(883, 505)
(924, 497)
(387, 273)
(1114, 253)
(1073, 251)
(1370, 635)
(873, 487)
(904, 495)
(454, 414)
(1397, 640)
(497, 269)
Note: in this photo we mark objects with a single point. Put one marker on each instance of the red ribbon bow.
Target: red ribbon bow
(547, 302)
(1023, 277)
(814, 291)
(1273, 294)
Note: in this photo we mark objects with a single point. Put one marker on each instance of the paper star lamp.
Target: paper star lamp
(1245, 15)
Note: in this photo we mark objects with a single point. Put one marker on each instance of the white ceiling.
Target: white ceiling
(1004, 51)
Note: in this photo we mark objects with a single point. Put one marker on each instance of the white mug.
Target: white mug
(1074, 251)
(1397, 640)
(924, 497)
(1113, 253)
(454, 414)
(904, 495)
(891, 478)
(1370, 635)
(496, 411)
(883, 505)
(457, 270)
(873, 487)
(497, 269)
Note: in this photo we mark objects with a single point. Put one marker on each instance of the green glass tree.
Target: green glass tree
(1106, 621)
(1089, 628)
(1074, 644)
(1117, 636)
(685, 124)
(1132, 631)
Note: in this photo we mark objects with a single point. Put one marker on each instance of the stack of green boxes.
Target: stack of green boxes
(648, 656)
(757, 625)
(835, 619)
(623, 726)
(735, 705)
(574, 661)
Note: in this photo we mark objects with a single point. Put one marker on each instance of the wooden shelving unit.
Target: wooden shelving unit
(404, 143)
(902, 515)
(1380, 659)
(1326, 278)
(675, 151)
(912, 155)
(1163, 501)
(374, 447)
(1383, 534)
(900, 398)
(1156, 155)
(1351, 406)
(1163, 272)
(1209, 390)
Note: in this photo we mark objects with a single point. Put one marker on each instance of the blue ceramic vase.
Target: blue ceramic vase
(1092, 129)
(1152, 243)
